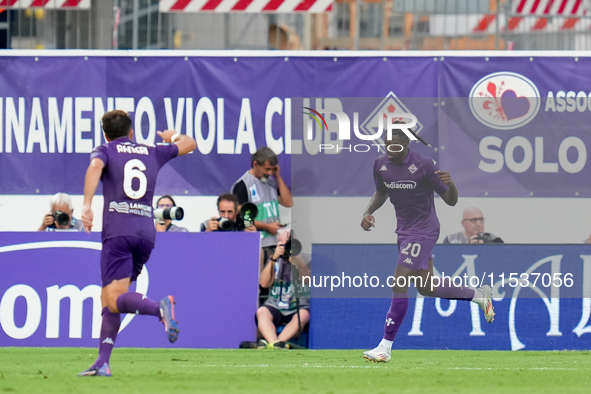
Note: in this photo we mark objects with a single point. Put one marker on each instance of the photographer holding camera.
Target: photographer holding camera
(60, 218)
(288, 303)
(166, 225)
(473, 233)
(228, 219)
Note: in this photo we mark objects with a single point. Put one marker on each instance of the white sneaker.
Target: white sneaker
(378, 355)
(487, 306)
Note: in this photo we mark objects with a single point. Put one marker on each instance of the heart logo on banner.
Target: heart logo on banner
(514, 107)
(504, 100)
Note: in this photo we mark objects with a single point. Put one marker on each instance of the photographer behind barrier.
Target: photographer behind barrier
(264, 186)
(60, 218)
(228, 219)
(165, 204)
(288, 303)
(473, 233)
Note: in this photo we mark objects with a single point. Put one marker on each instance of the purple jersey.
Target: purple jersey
(129, 178)
(410, 186)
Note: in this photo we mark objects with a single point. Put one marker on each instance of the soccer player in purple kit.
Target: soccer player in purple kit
(128, 171)
(409, 180)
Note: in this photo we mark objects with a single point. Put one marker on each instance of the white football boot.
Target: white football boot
(378, 355)
(486, 305)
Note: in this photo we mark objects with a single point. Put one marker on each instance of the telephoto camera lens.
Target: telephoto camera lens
(293, 247)
(225, 224)
(174, 213)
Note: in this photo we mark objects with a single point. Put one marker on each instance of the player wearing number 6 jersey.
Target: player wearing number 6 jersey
(410, 179)
(128, 171)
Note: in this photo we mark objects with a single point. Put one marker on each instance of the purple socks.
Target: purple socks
(138, 304)
(126, 303)
(109, 330)
(450, 292)
(395, 316)
(399, 306)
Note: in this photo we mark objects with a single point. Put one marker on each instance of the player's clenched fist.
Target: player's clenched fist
(87, 217)
(444, 177)
(368, 222)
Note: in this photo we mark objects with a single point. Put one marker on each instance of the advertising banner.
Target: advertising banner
(503, 126)
(50, 290)
(541, 296)
(516, 127)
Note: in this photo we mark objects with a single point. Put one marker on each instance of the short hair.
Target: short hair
(399, 132)
(116, 124)
(166, 196)
(60, 198)
(228, 197)
(262, 155)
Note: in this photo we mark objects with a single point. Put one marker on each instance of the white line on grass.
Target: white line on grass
(375, 366)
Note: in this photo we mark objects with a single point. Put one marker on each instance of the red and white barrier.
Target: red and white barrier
(250, 6)
(47, 4)
(525, 16)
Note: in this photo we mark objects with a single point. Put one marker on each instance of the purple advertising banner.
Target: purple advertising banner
(50, 290)
(516, 126)
(503, 126)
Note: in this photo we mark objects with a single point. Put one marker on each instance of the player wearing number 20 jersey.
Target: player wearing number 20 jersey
(128, 172)
(410, 180)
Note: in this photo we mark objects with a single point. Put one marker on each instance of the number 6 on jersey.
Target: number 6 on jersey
(134, 169)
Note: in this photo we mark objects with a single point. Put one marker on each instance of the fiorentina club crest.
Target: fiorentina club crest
(504, 100)
(388, 106)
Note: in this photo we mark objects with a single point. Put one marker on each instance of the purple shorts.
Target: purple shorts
(124, 257)
(415, 252)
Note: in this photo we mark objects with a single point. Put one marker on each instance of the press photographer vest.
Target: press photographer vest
(265, 197)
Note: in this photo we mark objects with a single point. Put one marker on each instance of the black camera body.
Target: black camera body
(244, 218)
(488, 238)
(226, 224)
(60, 219)
(293, 247)
(229, 225)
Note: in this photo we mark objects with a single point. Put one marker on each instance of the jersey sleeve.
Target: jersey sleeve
(240, 192)
(100, 152)
(377, 179)
(166, 152)
(430, 166)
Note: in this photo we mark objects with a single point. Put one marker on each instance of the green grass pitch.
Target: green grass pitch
(53, 370)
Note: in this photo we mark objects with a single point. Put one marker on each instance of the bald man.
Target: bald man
(473, 222)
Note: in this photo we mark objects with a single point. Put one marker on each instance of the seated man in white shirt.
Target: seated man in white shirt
(473, 233)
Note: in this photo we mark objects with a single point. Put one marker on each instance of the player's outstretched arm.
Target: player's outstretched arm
(451, 195)
(377, 200)
(185, 143)
(93, 176)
